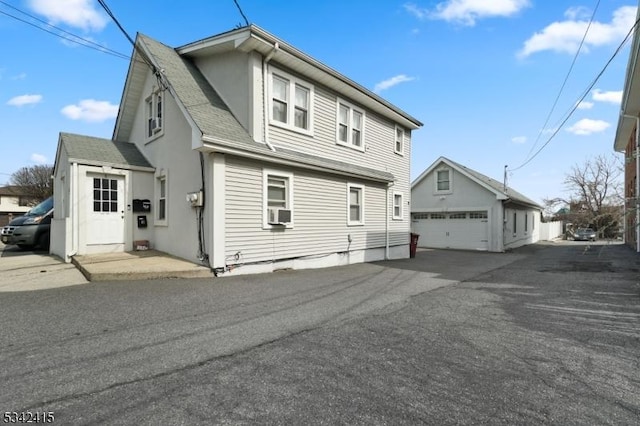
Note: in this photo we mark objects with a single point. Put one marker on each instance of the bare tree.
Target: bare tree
(595, 195)
(35, 182)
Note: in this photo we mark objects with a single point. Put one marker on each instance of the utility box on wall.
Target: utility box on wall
(141, 206)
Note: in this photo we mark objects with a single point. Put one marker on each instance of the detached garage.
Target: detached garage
(455, 207)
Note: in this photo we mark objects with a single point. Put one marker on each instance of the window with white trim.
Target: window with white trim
(162, 195)
(350, 125)
(291, 102)
(526, 222)
(154, 114)
(355, 204)
(399, 142)
(397, 206)
(443, 180)
(457, 215)
(277, 199)
(478, 215)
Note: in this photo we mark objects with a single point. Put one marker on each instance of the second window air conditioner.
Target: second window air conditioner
(279, 216)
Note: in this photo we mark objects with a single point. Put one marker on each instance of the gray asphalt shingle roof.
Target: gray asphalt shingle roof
(214, 118)
(100, 150)
(498, 186)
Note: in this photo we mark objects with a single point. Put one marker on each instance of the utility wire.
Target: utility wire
(75, 39)
(246, 21)
(584, 95)
(575, 58)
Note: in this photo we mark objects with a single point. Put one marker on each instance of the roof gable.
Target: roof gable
(484, 181)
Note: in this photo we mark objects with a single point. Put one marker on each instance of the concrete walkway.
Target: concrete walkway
(137, 265)
(26, 270)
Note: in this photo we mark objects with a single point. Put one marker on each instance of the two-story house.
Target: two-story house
(241, 152)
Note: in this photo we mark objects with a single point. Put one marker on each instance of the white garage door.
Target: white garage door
(460, 230)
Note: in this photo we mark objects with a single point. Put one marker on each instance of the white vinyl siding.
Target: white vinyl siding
(320, 225)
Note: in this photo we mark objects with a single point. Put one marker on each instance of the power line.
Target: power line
(74, 38)
(584, 95)
(246, 21)
(575, 58)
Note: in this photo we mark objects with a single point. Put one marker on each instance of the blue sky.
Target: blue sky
(482, 76)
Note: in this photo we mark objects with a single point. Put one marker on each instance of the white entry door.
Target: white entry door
(105, 203)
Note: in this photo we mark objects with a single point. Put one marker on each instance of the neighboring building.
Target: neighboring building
(241, 152)
(627, 141)
(455, 207)
(13, 203)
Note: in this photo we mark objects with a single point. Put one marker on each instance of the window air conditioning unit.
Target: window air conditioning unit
(279, 216)
(154, 124)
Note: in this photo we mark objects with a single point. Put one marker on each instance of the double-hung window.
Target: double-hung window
(443, 180)
(291, 102)
(162, 195)
(397, 206)
(154, 114)
(399, 142)
(355, 204)
(277, 199)
(350, 129)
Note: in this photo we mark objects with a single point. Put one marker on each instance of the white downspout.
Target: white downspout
(75, 221)
(265, 98)
(637, 192)
(386, 222)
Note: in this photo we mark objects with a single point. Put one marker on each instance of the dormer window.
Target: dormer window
(154, 114)
(291, 102)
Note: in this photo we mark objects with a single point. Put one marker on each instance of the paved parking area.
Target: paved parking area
(34, 270)
(544, 335)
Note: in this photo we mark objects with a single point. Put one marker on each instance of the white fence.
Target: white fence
(550, 230)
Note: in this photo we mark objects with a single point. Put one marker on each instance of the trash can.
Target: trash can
(413, 245)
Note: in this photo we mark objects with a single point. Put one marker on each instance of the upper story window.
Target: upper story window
(399, 142)
(154, 114)
(443, 180)
(350, 126)
(291, 103)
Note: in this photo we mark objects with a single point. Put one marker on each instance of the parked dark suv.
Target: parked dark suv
(32, 229)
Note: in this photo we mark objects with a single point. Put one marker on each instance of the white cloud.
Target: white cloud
(467, 12)
(39, 158)
(91, 110)
(24, 100)
(587, 126)
(416, 11)
(386, 84)
(565, 36)
(579, 12)
(20, 76)
(585, 105)
(76, 13)
(613, 97)
(519, 139)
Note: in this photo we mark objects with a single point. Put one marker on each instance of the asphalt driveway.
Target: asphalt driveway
(547, 334)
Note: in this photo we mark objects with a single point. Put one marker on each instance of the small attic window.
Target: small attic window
(154, 107)
(443, 180)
